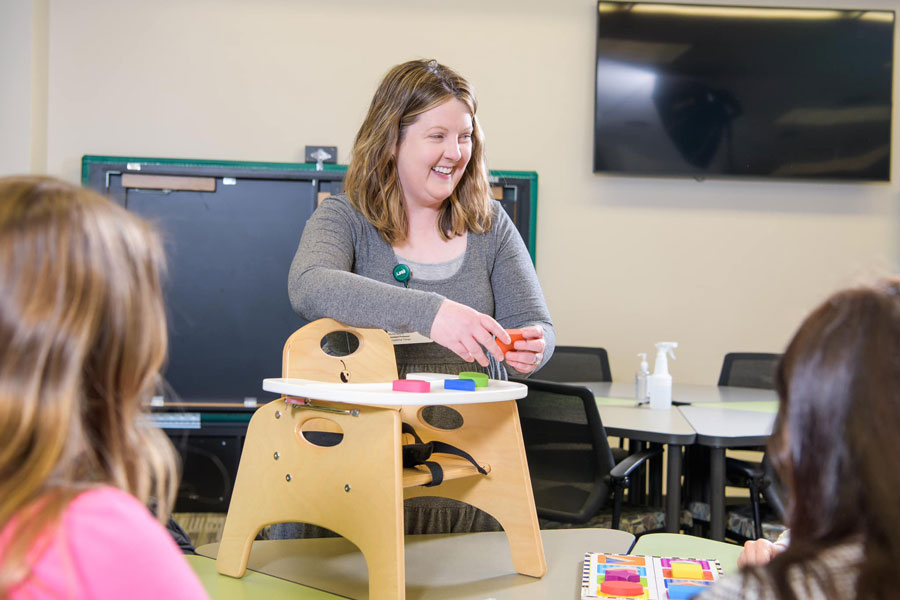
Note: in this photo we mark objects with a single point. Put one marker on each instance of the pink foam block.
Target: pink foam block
(412, 385)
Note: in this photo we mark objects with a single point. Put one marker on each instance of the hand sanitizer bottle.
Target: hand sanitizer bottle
(640, 378)
(659, 385)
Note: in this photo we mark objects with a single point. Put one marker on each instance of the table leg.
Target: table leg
(673, 490)
(637, 488)
(696, 484)
(717, 494)
(656, 473)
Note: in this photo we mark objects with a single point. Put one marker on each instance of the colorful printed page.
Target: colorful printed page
(646, 577)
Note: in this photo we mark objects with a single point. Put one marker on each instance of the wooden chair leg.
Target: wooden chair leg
(253, 502)
(353, 488)
(492, 435)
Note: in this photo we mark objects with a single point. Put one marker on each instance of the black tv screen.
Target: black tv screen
(712, 91)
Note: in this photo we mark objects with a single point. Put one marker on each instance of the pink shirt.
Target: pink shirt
(107, 546)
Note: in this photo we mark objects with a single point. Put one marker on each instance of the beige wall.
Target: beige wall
(23, 91)
(15, 99)
(625, 262)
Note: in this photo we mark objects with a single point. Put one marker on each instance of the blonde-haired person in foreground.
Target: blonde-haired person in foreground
(835, 449)
(82, 338)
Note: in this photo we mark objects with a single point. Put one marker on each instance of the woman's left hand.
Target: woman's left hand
(757, 553)
(529, 351)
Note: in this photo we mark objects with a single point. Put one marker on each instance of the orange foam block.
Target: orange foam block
(412, 385)
(514, 334)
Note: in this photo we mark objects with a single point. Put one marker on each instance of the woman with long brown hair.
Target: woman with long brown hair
(417, 244)
(834, 447)
(82, 339)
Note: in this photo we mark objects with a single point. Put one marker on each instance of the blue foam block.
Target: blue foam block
(463, 385)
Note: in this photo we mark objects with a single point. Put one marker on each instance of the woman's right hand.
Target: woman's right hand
(464, 330)
(757, 553)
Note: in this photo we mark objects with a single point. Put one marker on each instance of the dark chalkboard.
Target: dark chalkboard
(231, 230)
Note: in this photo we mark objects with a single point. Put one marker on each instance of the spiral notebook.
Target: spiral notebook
(640, 577)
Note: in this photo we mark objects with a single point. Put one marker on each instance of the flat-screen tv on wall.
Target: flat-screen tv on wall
(705, 90)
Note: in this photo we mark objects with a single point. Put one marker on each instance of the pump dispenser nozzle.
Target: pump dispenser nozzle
(662, 350)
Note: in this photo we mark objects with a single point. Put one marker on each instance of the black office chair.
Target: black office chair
(576, 363)
(762, 482)
(570, 364)
(749, 369)
(753, 370)
(573, 472)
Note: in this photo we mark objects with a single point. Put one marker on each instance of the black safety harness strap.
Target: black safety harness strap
(418, 454)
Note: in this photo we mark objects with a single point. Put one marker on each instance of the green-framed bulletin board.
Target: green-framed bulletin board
(231, 230)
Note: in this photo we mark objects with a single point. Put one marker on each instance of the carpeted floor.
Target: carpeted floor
(202, 528)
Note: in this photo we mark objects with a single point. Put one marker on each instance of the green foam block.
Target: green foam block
(480, 379)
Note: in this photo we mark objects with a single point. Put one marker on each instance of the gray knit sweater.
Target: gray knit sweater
(343, 269)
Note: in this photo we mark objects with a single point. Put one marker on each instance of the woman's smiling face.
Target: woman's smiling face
(433, 153)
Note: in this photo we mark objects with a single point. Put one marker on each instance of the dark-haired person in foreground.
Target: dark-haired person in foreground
(835, 448)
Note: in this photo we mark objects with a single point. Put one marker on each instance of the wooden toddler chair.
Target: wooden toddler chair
(356, 487)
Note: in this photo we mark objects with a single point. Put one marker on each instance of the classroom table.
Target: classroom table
(464, 566)
(690, 393)
(251, 586)
(721, 426)
(716, 416)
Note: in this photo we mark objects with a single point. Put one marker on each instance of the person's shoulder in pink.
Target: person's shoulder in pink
(107, 546)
